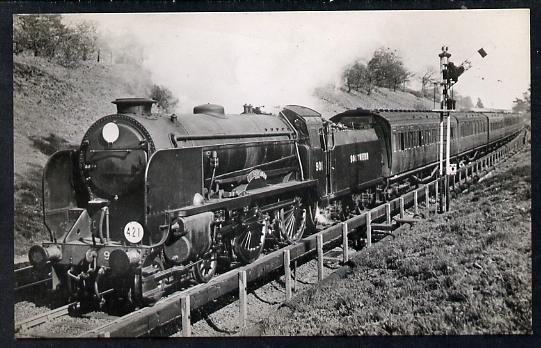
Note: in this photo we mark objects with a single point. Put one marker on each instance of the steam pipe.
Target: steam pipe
(100, 228)
(107, 233)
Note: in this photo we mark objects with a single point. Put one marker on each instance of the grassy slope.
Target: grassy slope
(335, 100)
(464, 272)
(53, 106)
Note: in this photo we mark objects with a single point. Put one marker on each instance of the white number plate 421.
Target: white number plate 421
(133, 231)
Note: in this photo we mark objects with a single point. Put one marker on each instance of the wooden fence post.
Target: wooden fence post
(388, 213)
(436, 189)
(295, 275)
(319, 239)
(345, 246)
(287, 274)
(415, 202)
(401, 207)
(186, 316)
(427, 200)
(369, 229)
(243, 306)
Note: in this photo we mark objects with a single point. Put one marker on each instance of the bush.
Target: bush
(46, 36)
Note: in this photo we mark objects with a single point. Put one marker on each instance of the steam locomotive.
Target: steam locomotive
(150, 198)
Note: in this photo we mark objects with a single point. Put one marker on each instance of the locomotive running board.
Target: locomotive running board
(245, 200)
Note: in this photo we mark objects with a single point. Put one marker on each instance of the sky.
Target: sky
(278, 58)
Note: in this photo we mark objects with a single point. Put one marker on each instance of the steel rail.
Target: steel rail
(42, 318)
(26, 276)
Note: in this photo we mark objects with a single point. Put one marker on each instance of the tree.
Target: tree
(428, 77)
(357, 77)
(479, 104)
(46, 36)
(164, 97)
(78, 44)
(523, 105)
(39, 34)
(387, 68)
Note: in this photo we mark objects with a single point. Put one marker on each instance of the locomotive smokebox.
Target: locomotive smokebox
(138, 106)
(39, 256)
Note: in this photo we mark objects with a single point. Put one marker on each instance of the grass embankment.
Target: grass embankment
(464, 272)
(336, 100)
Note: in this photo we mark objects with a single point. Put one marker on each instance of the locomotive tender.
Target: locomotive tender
(149, 198)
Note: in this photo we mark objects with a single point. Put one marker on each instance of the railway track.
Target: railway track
(377, 221)
(42, 318)
(26, 277)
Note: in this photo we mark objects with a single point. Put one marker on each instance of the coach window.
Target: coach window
(402, 141)
(406, 140)
(404, 136)
(420, 134)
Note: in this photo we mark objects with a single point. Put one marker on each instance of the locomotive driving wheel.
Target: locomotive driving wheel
(204, 270)
(249, 243)
(291, 222)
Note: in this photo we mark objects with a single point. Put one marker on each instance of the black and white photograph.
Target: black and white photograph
(272, 173)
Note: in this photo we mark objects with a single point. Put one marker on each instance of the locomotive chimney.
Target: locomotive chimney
(138, 106)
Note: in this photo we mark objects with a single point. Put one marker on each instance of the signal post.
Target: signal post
(449, 74)
(446, 105)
